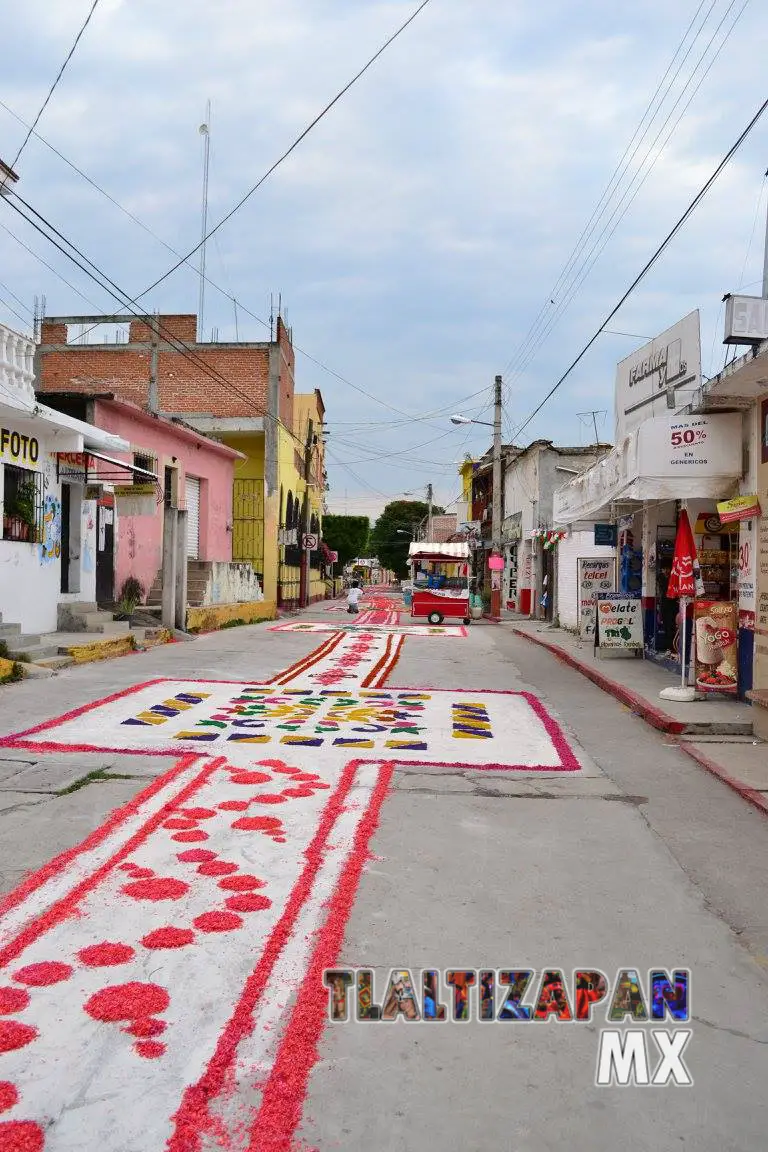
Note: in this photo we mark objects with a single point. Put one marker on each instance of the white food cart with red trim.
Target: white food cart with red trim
(440, 575)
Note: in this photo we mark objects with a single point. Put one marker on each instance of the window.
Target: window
(22, 505)
(147, 463)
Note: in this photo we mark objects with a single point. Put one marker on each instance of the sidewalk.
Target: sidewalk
(716, 733)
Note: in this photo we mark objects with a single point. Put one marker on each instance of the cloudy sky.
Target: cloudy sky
(420, 234)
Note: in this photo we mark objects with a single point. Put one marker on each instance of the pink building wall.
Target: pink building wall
(138, 549)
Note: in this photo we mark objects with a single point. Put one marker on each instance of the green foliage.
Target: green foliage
(16, 673)
(347, 535)
(21, 506)
(132, 591)
(4, 653)
(394, 530)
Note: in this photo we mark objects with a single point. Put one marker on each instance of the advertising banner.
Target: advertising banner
(740, 508)
(619, 622)
(717, 637)
(595, 575)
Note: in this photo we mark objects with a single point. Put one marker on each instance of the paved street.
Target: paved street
(233, 816)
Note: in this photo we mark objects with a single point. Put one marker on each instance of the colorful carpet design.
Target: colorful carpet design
(320, 628)
(149, 975)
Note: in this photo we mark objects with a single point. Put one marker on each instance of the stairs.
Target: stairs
(198, 575)
(25, 644)
(90, 618)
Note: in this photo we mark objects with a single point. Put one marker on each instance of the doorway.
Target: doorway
(66, 520)
(105, 556)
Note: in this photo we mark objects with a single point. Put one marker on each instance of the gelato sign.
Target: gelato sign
(619, 622)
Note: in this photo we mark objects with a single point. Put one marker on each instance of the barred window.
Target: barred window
(22, 505)
(147, 463)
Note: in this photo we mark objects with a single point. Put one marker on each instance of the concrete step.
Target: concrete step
(108, 627)
(82, 607)
(9, 631)
(55, 663)
(22, 642)
(38, 652)
(101, 621)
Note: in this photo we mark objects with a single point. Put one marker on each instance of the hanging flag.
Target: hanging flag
(682, 579)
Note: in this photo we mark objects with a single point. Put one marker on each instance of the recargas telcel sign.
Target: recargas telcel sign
(16, 448)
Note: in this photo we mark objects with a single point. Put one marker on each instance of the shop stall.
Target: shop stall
(440, 582)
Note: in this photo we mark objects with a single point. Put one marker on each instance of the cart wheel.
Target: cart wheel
(466, 620)
(435, 618)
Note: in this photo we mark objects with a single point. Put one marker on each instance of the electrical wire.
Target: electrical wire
(594, 255)
(650, 263)
(321, 115)
(52, 88)
(543, 325)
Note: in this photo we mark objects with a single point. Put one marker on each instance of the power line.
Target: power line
(650, 263)
(53, 86)
(293, 146)
(545, 321)
(595, 252)
(117, 294)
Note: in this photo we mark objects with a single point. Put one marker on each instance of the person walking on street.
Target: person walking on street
(353, 598)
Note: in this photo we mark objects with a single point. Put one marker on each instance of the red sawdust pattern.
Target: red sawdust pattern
(301, 791)
(159, 888)
(283, 1098)
(14, 1035)
(304, 777)
(287, 771)
(217, 868)
(149, 1049)
(196, 855)
(189, 837)
(140, 873)
(145, 1027)
(179, 824)
(21, 1136)
(44, 974)
(234, 806)
(132, 1001)
(168, 938)
(258, 824)
(8, 1095)
(198, 813)
(269, 798)
(104, 955)
(241, 883)
(251, 778)
(248, 902)
(217, 922)
(13, 1000)
(279, 839)
(193, 1117)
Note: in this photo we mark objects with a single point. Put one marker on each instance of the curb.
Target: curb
(744, 790)
(638, 704)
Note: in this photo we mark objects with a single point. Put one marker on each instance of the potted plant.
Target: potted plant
(131, 595)
(19, 513)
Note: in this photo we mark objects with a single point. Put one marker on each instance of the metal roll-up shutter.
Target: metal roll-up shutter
(193, 518)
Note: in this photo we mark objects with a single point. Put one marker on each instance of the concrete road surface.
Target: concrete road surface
(444, 801)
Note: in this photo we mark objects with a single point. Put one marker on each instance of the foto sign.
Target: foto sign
(746, 320)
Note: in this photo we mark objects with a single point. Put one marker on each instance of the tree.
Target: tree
(347, 535)
(395, 529)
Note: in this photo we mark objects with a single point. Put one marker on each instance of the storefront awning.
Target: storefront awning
(677, 458)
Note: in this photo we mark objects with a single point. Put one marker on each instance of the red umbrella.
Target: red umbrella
(682, 580)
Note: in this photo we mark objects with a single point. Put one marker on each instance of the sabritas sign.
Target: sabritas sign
(740, 508)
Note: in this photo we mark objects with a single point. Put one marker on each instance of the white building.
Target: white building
(49, 525)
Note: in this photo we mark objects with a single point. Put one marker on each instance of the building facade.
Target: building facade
(51, 540)
(241, 394)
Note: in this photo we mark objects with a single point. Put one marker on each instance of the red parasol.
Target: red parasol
(682, 581)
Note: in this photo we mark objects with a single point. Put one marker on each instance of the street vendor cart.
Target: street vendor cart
(440, 577)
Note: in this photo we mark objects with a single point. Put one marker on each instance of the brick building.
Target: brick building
(240, 393)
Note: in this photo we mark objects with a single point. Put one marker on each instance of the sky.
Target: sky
(476, 204)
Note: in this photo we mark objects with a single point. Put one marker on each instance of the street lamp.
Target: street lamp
(496, 513)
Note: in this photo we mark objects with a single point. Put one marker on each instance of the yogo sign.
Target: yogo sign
(16, 448)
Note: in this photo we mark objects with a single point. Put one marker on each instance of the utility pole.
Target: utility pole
(305, 552)
(429, 512)
(154, 391)
(765, 262)
(496, 512)
(205, 131)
